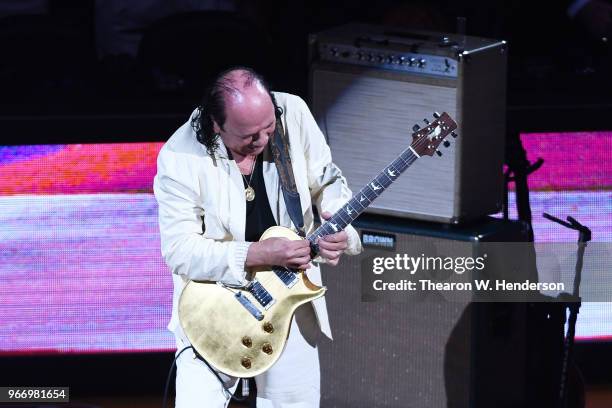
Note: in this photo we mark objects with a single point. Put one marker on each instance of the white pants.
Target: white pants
(292, 382)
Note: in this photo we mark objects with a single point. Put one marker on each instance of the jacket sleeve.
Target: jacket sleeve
(182, 221)
(328, 187)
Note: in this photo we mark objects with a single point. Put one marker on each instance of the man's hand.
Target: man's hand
(281, 252)
(332, 246)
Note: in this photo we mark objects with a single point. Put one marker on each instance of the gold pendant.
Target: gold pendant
(249, 193)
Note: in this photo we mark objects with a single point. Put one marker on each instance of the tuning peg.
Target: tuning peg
(453, 134)
(446, 143)
(416, 128)
(426, 121)
(439, 153)
(436, 115)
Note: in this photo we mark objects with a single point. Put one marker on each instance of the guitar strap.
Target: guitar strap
(282, 159)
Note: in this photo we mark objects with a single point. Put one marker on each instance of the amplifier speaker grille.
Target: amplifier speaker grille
(365, 120)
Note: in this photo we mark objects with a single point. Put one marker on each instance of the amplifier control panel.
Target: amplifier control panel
(385, 59)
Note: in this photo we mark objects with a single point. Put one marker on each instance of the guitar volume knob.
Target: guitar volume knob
(246, 341)
(246, 362)
(268, 328)
(267, 348)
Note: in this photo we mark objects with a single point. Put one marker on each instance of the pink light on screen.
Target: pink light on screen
(81, 168)
(572, 161)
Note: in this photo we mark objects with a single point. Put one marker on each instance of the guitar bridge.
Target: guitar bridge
(260, 294)
(248, 305)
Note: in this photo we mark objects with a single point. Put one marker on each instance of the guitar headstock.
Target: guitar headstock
(425, 141)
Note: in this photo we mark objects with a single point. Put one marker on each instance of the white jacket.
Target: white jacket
(202, 210)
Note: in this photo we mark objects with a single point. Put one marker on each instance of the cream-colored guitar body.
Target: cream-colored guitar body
(232, 337)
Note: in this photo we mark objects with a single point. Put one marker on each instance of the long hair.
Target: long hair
(212, 106)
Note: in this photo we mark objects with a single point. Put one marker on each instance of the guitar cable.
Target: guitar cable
(167, 387)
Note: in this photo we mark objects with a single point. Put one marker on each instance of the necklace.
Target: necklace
(249, 192)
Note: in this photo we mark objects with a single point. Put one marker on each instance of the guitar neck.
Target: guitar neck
(360, 201)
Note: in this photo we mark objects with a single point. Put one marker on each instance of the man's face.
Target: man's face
(249, 124)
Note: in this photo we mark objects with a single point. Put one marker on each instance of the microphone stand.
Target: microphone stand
(573, 301)
(521, 168)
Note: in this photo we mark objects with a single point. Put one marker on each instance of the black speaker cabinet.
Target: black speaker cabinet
(427, 354)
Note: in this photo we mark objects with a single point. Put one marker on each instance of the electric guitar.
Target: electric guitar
(242, 331)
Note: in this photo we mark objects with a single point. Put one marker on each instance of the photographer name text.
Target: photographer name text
(479, 285)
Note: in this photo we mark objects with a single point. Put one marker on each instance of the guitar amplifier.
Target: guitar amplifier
(370, 85)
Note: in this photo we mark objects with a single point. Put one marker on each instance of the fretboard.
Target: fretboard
(360, 201)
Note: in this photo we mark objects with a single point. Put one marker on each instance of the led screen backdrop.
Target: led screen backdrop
(80, 267)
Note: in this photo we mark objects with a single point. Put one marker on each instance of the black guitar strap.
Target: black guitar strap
(282, 159)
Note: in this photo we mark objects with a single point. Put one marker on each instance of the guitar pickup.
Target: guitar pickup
(286, 275)
(260, 294)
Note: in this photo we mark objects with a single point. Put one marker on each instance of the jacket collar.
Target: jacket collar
(221, 151)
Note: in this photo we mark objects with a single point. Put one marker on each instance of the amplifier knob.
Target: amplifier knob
(412, 61)
(380, 58)
(401, 60)
(422, 62)
(370, 57)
